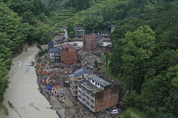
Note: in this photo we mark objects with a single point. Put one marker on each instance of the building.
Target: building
(105, 47)
(69, 53)
(106, 34)
(98, 93)
(75, 77)
(90, 42)
(112, 28)
(99, 38)
(50, 44)
(54, 54)
(79, 32)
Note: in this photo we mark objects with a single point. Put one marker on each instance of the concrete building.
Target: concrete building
(75, 77)
(54, 54)
(79, 32)
(98, 93)
(69, 54)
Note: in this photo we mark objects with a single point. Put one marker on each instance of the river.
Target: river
(23, 91)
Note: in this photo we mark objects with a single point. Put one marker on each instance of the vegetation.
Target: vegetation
(145, 54)
(5, 109)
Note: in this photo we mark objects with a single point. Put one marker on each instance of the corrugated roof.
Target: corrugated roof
(66, 45)
(99, 80)
(54, 41)
(81, 72)
(50, 44)
(52, 50)
(71, 75)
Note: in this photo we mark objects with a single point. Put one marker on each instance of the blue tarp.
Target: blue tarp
(49, 87)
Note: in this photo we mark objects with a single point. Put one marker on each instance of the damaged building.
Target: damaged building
(98, 93)
(75, 77)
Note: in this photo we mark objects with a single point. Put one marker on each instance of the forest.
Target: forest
(145, 54)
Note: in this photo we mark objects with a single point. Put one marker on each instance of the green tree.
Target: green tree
(130, 54)
(93, 23)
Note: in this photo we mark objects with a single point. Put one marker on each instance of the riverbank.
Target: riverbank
(23, 92)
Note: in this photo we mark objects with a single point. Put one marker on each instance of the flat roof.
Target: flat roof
(80, 72)
(54, 50)
(99, 80)
(87, 85)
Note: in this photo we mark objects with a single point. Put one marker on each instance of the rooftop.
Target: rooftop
(105, 32)
(99, 80)
(108, 80)
(50, 44)
(54, 41)
(78, 28)
(80, 72)
(64, 46)
(52, 50)
(113, 26)
(85, 83)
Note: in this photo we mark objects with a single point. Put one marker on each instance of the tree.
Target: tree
(130, 54)
(93, 23)
(39, 47)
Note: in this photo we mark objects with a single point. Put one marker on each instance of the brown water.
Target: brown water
(23, 90)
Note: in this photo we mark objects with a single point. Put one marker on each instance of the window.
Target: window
(92, 101)
(88, 103)
(83, 99)
(92, 106)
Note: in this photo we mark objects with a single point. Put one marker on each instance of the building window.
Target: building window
(83, 99)
(92, 106)
(88, 103)
(92, 101)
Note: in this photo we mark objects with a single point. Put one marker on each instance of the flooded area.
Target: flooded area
(23, 92)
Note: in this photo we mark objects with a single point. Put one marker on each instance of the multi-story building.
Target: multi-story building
(69, 53)
(98, 93)
(54, 54)
(79, 32)
(75, 77)
(90, 42)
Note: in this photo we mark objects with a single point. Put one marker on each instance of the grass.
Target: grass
(5, 109)
(134, 113)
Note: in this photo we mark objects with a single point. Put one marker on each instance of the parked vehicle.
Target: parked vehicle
(115, 111)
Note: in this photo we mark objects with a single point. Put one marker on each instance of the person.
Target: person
(57, 95)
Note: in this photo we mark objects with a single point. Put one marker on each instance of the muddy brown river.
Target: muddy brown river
(23, 90)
